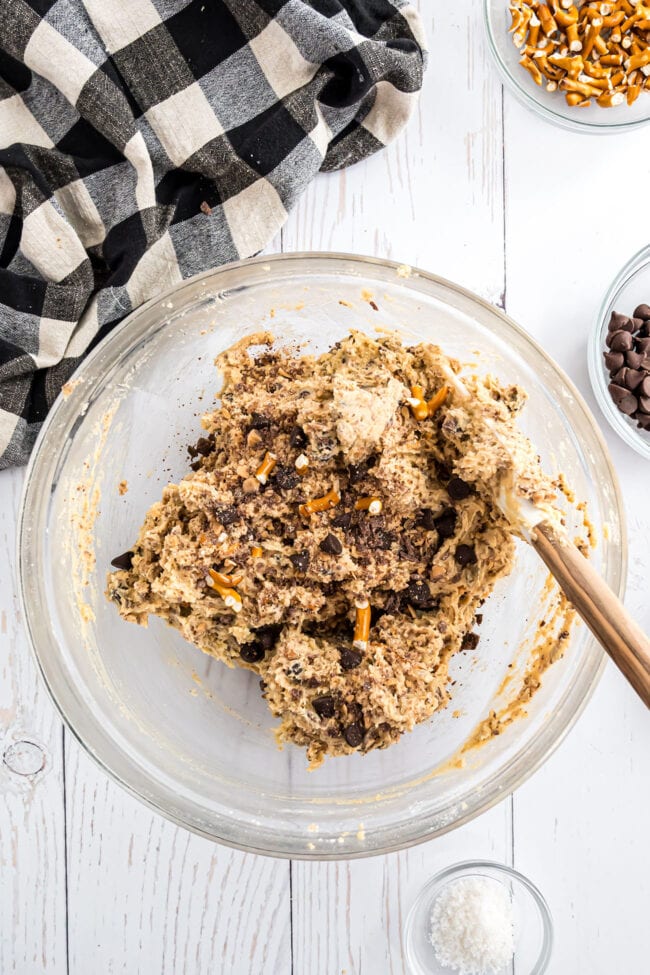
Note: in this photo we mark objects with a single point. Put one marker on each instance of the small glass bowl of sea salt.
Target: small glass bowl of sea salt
(478, 918)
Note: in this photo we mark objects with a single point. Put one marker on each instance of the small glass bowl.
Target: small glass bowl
(532, 920)
(552, 106)
(630, 288)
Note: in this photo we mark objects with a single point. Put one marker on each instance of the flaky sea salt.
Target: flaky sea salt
(472, 926)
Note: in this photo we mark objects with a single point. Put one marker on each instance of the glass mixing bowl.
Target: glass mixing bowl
(631, 287)
(552, 106)
(185, 734)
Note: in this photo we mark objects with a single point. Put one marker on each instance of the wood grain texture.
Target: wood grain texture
(32, 837)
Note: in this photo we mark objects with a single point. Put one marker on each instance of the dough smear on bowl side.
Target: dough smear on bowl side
(338, 532)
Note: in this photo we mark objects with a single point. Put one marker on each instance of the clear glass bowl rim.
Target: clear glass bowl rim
(527, 761)
(524, 95)
(595, 362)
(464, 867)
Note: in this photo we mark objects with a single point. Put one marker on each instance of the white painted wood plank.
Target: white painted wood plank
(147, 897)
(32, 853)
(434, 199)
(581, 823)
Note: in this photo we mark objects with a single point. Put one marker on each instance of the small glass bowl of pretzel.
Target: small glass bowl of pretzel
(583, 64)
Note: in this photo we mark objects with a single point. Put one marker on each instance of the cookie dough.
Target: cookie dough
(322, 485)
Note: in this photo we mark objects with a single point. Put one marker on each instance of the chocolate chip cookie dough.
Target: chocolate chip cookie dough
(337, 534)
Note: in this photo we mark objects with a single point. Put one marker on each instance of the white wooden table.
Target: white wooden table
(538, 221)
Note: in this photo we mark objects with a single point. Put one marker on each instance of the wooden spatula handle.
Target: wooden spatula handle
(602, 611)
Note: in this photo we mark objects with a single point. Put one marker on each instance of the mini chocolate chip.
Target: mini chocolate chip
(446, 523)
(252, 653)
(300, 561)
(331, 545)
(620, 341)
(350, 659)
(227, 514)
(642, 311)
(623, 398)
(343, 520)
(618, 322)
(458, 490)
(259, 421)
(297, 437)
(325, 707)
(465, 555)
(353, 734)
(615, 360)
(419, 595)
(470, 641)
(196, 466)
(124, 561)
(192, 451)
(479, 618)
(285, 477)
(426, 519)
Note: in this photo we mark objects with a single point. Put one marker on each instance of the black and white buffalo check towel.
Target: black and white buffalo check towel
(142, 141)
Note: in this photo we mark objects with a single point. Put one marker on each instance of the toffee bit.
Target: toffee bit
(372, 505)
(256, 552)
(265, 468)
(329, 500)
(226, 514)
(362, 624)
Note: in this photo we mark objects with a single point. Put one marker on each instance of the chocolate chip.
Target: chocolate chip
(297, 437)
(446, 523)
(259, 421)
(644, 388)
(350, 659)
(353, 734)
(419, 595)
(124, 561)
(618, 322)
(268, 634)
(442, 470)
(642, 345)
(393, 604)
(470, 641)
(643, 421)
(623, 398)
(619, 341)
(252, 653)
(357, 472)
(615, 360)
(426, 519)
(479, 618)
(642, 311)
(300, 561)
(204, 446)
(343, 520)
(325, 707)
(465, 555)
(458, 490)
(227, 514)
(196, 466)
(644, 404)
(637, 324)
(285, 477)
(633, 359)
(633, 378)
(331, 545)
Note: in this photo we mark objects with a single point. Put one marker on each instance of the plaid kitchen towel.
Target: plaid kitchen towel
(142, 141)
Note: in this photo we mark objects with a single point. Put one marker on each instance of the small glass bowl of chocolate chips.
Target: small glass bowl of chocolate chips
(619, 354)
